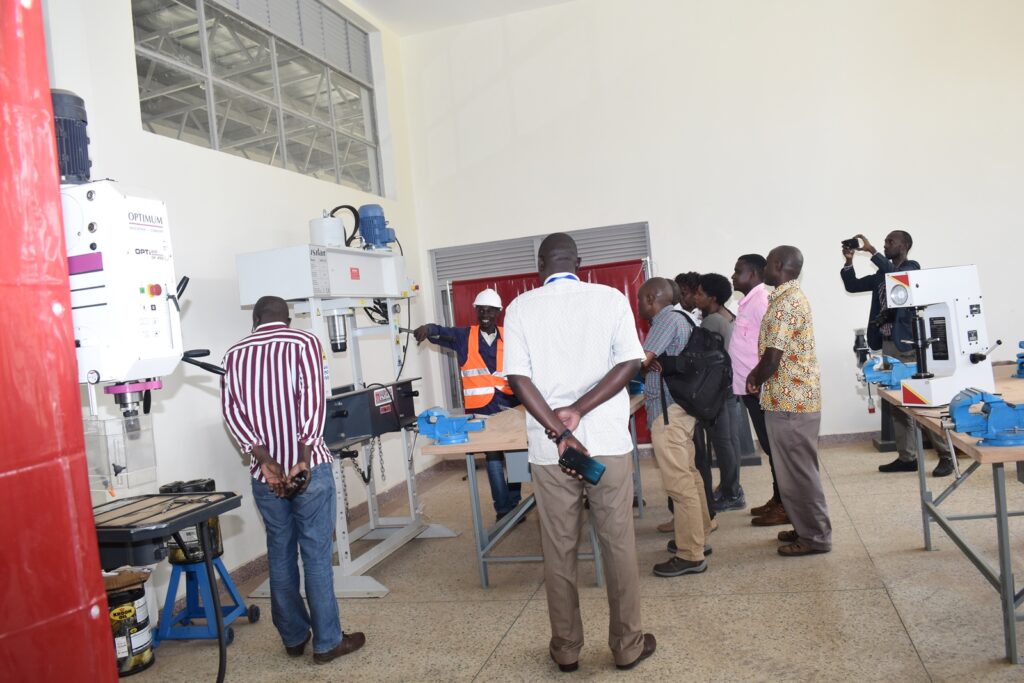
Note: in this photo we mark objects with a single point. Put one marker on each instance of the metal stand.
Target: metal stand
(391, 532)
(1001, 579)
(488, 538)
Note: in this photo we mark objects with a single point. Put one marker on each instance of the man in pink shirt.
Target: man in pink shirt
(747, 279)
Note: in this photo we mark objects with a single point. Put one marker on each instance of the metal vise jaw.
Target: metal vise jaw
(997, 423)
(889, 377)
(446, 429)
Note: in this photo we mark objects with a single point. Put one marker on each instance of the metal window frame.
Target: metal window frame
(338, 137)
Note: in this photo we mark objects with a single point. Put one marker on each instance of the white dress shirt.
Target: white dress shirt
(566, 336)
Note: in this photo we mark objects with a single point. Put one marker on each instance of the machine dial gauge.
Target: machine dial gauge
(93, 377)
(898, 295)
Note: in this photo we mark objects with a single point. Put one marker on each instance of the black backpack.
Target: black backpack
(700, 376)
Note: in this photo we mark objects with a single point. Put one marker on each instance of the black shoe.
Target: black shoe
(298, 650)
(672, 548)
(650, 645)
(566, 668)
(943, 469)
(898, 465)
(677, 566)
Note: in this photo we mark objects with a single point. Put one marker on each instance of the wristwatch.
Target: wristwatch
(561, 437)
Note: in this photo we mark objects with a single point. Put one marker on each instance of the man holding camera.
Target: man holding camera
(891, 331)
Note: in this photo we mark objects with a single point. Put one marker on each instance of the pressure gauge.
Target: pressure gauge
(93, 376)
(898, 295)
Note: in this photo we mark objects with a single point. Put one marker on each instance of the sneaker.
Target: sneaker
(678, 567)
(672, 548)
(943, 469)
(898, 465)
(737, 503)
(667, 527)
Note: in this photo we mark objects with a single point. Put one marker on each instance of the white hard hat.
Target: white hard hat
(488, 297)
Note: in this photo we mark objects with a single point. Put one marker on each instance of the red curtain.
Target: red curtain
(625, 276)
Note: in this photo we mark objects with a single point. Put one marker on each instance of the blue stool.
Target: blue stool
(199, 605)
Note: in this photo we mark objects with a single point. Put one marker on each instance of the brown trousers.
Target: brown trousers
(675, 454)
(560, 505)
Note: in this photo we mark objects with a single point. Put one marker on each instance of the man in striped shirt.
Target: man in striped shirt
(273, 400)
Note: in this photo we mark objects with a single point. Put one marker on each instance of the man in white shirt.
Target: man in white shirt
(570, 349)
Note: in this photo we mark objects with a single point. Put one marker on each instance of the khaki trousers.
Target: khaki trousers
(676, 457)
(560, 507)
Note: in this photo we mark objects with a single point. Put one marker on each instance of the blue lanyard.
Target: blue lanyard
(569, 276)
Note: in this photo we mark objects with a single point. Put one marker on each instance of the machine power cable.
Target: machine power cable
(355, 226)
(222, 645)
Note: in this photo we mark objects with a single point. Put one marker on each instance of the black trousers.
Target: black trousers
(753, 404)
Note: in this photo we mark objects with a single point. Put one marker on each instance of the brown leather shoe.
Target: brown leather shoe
(667, 527)
(800, 548)
(650, 645)
(774, 518)
(766, 508)
(788, 536)
(298, 650)
(350, 642)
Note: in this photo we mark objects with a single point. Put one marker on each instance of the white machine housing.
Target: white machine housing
(949, 299)
(121, 267)
(310, 271)
(127, 326)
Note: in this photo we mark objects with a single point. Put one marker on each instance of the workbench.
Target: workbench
(506, 431)
(1001, 578)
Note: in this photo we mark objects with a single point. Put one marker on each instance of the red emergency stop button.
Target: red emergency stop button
(155, 290)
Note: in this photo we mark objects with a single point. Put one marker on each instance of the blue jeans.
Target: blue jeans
(306, 525)
(505, 495)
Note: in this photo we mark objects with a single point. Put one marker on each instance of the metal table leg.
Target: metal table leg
(638, 485)
(478, 523)
(1006, 583)
(926, 495)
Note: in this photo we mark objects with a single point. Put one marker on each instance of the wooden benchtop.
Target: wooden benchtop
(505, 431)
(1009, 387)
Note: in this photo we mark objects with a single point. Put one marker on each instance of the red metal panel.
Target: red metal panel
(625, 276)
(54, 624)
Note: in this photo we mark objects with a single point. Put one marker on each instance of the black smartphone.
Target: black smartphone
(851, 243)
(589, 468)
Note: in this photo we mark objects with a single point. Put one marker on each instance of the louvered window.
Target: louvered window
(283, 82)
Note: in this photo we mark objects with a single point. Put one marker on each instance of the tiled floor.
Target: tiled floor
(877, 608)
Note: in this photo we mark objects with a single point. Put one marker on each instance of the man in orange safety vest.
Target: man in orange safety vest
(485, 390)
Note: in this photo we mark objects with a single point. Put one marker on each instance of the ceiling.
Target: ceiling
(408, 17)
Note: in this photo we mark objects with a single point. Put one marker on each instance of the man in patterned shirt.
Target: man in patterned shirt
(788, 378)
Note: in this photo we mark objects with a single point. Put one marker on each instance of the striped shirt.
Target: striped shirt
(273, 395)
(669, 334)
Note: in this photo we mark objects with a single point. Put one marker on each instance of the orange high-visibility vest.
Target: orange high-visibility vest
(479, 383)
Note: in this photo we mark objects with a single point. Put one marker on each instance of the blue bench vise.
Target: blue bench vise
(1020, 362)
(998, 423)
(446, 429)
(888, 377)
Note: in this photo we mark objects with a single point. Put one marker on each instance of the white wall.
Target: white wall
(219, 205)
(734, 126)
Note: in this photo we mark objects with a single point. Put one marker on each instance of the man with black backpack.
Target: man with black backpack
(672, 432)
